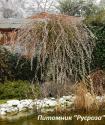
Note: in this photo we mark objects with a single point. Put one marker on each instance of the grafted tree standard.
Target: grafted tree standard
(62, 45)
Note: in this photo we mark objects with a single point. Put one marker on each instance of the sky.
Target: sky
(23, 8)
(98, 1)
(27, 7)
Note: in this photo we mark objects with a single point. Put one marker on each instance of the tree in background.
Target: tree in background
(11, 8)
(25, 8)
(102, 3)
(77, 7)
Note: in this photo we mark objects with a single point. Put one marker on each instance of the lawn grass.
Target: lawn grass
(3, 101)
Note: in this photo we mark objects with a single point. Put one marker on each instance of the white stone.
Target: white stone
(99, 98)
(14, 106)
(67, 97)
(4, 106)
(69, 103)
(26, 102)
(9, 110)
(52, 98)
(103, 98)
(2, 113)
(12, 109)
(44, 105)
(62, 101)
(40, 103)
(51, 103)
(21, 107)
(13, 102)
(3, 109)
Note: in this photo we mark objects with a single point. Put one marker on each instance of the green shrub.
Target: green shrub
(14, 68)
(21, 68)
(5, 71)
(19, 90)
(99, 50)
(97, 24)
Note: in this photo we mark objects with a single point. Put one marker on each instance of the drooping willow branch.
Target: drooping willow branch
(62, 45)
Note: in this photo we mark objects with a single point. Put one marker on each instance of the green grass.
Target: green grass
(18, 90)
(3, 101)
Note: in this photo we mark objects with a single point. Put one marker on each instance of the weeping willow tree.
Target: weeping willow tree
(62, 45)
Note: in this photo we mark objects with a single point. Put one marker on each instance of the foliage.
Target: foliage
(97, 19)
(77, 7)
(5, 71)
(97, 24)
(19, 90)
(2, 101)
(21, 68)
(102, 3)
(14, 68)
(99, 51)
